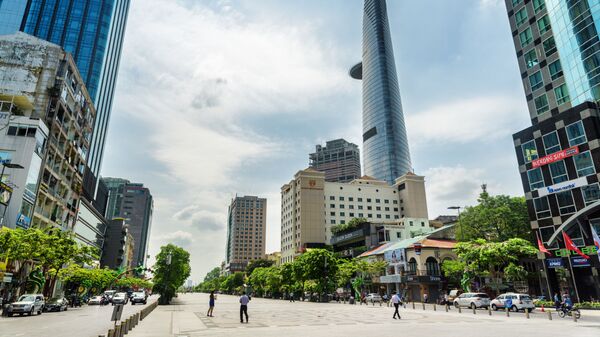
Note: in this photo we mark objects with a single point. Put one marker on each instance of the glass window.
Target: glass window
(538, 5)
(555, 69)
(536, 180)
(531, 58)
(542, 208)
(516, 2)
(576, 133)
(565, 202)
(558, 172)
(536, 81)
(584, 164)
(546, 233)
(562, 94)
(549, 46)
(591, 193)
(544, 24)
(541, 104)
(529, 151)
(521, 16)
(525, 37)
(551, 143)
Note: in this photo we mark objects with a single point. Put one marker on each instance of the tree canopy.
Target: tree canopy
(171, 270)
(257, 264)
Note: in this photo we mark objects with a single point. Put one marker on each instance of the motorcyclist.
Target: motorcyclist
(567, 303)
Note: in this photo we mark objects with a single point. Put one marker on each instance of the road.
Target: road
(187, 318)
(87, 321)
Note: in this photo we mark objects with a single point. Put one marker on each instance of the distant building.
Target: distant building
(90, 228)
(119, 246)
(339, 159)
(275, 257)
(246, 232)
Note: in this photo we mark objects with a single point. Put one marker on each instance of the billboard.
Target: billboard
(395, 255)
(554, 157)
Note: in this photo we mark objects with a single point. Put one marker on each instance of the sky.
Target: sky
(223, 97)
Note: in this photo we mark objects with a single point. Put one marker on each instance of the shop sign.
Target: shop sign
(564, 186)
(554, 157)
(587, 250)
(348, 236)
(23, 221)
(578, 261)
(554, 263)
(394, 278)
(395, 255)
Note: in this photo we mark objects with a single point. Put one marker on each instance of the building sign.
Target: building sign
(554, 263)
(348, 236)
(394, 278)
(23, 221)
(578, 261)
(554, 157)
(5, 193)
(564, 186)
(587, 250)
(395, 255)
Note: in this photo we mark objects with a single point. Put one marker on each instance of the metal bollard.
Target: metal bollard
(507, 312)
(434, 309)
(574, 317)
(111, 333)
(474, 312)
(527, 313)
(413, 305)
(118, 331)
(549, 315)
(380, 303)
(459, 310)
(446, 307)
(124, 330)
(423, 305)
(490, 311)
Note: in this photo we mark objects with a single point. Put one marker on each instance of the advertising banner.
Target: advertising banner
(578, 261)
(554, 157)
(564, 186)
(395, 255)
(555, 263)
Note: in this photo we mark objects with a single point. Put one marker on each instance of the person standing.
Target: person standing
(397, 302)
(211, 304)
(244, 299)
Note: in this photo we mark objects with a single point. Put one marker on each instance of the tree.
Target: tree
(495, 218)
(319, 266)
(213, 274)
(257, 264)
(171, 270)
(233, 282)
(353, 223)
(453, 270)
(93, 281)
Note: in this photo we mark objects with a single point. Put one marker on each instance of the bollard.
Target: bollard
(574, 316)
(423, 305)
(549, 315)
(111, 333)
(373, 302)
(490, 311)
(124, 330)
(118, 331)
(413, 305)
(446, 307)
(459, 310)
(474, 313)
(380, 303)
(507, 312)
(434, 309)
(527, 313)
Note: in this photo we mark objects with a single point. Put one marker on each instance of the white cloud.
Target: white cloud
(451, 186)
(179, 238)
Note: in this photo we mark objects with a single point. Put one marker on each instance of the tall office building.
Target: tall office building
(558, 49)
(339, 159)
(92, 31)
(385, 145)
(132, 202)
(246, 232)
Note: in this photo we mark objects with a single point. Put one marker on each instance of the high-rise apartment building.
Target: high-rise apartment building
(558, 49)
(92, 31)
(132, 202)
(246, 232)
(385, 144)
(311, 206)
(339, 159)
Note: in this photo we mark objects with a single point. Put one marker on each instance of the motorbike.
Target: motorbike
(565, 311)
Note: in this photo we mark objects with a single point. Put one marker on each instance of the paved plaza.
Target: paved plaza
(187, 318)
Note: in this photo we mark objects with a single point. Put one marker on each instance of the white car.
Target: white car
(96, 300)
(373, 297)
(519, 302)
(472, 300)
(120, 298)
(27, 304)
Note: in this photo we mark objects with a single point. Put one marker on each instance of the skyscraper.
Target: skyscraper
(246, 231)
(385, 145)
(558, 49)
(92, 31)
(339, 159)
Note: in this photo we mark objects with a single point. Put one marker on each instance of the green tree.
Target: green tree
(320, 267)
(495, 218)
(453, 270)
(213, 274)
(257, 264)
(171, 270)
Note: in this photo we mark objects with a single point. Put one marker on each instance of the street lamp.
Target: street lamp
(457, 208)
(6, 164)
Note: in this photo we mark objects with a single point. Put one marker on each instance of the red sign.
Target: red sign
(554, 157)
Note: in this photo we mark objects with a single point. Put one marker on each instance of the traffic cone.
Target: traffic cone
(542, 307)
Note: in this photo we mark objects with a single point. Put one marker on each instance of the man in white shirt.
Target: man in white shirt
(396, 301)
(244, 299)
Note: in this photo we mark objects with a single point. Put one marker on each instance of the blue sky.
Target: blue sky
(220, 97)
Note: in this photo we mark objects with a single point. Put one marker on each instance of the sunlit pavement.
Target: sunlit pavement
(187, 317)
(87, 321)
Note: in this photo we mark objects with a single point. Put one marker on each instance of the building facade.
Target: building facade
(310, 206)
(90, 228)
(385, 143)
(558, 49)
(339, 159)
(246, 232)
(119, 246)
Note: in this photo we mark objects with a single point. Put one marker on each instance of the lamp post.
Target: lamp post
(6, 164)
(462, 235)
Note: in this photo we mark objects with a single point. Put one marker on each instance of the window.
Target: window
(521, 16)
(341, 198)
(378, 208)
(541, 104)
(525, 37)
(555, 69)
(342, 206)
(529, 151)
(378, 201)
(332, 213)
(351, 206)
(549, 46)
(531, 58)
(551, 143)
(342, 214)
(368, 199)
(516, 2)
(562, 94)
(350, 199)
(378, 216)
(332, 205)
(558, 172)
(536, 180)
(352, 215)
(360, 207)
(536, 81)
(369, 208)
(542, 209)
(544, 24)
(538, 5)
(332, 198)
(584, 164)
(565, 202)
(359, 199)
(591, 193)
(576, 133)
(399, 235)
(386, 201)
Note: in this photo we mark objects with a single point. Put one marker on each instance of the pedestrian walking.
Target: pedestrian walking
(397, 303)
(292, 297)
(244, 299)
(211, 304)
(425, 298)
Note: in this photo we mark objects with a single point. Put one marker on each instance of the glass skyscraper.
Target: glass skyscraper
(92, 31)
(385, 145)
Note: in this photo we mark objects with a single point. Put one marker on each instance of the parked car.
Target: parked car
(56, 304)
(139, 297)
(109, 294)
(120, 298)
(96, 300)
(27, 304)
(519, 302)
(373, 297)
(454, 293)
(472, 300)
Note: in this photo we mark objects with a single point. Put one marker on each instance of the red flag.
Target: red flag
(571, 246)
(541, 245)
